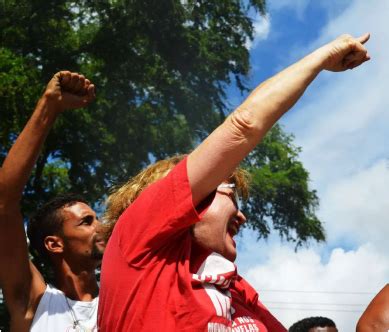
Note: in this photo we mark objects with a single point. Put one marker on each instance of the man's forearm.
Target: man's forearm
(18, 165)
(65, 91)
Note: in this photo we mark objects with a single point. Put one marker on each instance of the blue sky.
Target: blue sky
(342, 125)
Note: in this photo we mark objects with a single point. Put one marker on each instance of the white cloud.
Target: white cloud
(342, 127)
(358, 206)
(299, 6)
(261, 30)
(287, 281)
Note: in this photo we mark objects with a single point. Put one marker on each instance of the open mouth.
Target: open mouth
(99, 240)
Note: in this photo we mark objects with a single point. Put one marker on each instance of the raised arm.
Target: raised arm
(21, 282)
(215, 159)
(376, 316)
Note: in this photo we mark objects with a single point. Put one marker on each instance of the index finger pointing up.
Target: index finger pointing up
(364, 38)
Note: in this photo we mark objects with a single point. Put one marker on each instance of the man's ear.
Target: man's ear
(54, 244)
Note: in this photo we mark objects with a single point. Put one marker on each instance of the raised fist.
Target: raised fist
(68, 90)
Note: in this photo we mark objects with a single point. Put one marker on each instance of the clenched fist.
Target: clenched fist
(68, 90)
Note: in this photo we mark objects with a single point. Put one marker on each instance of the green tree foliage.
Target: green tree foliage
(161, 68)
(280, 197)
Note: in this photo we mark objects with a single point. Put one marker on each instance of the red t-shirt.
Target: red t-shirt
(155, 278)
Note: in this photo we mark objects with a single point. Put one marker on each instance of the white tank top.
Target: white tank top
(56, 312)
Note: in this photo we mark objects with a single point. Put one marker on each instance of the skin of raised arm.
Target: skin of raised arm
(376, 316)
(217, 156)
(21, 282)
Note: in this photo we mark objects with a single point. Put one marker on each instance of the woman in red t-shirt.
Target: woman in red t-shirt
(169, 262)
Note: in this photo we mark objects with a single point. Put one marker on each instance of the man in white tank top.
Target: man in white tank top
(64, 231)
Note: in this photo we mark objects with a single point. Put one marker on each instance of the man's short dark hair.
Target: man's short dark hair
(307, 323)
(48, 221)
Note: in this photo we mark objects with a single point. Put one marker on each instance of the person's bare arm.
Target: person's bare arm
(20, 281)
(215, 159)
(376, 316)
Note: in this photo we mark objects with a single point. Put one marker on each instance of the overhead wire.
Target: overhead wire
(315, 309)
(312, 291)
(316, 306)
(318, 303)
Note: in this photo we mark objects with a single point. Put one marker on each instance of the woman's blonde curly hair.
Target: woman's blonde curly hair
(122, 196)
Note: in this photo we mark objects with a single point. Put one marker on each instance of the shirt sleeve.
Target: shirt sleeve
(162, 213)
